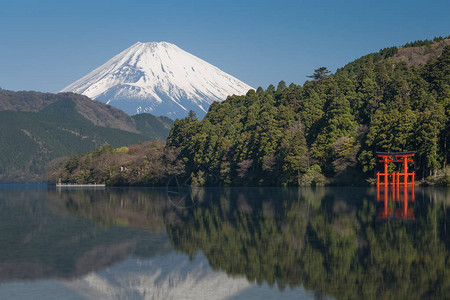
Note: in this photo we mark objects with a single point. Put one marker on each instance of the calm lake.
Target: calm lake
(224, 243)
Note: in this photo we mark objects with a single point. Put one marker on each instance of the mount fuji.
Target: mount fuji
(158, 78)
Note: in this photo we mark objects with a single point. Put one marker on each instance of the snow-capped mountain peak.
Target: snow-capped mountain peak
(159, 78)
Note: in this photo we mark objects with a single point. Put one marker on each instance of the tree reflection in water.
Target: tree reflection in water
(328, 240)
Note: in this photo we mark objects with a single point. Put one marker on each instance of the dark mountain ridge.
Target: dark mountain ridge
(96, 112)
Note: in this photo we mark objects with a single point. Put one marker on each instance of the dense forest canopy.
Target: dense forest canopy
(326, 131)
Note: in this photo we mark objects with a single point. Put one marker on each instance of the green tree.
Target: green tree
(319, 73)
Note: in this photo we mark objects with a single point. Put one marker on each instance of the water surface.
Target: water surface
(235, 243)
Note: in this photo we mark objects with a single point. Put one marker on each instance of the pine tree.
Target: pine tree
(319, 73)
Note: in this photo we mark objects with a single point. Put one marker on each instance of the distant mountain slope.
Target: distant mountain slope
(36, 128)
(159, 78)
(96, 112)
(30, 140)
(150, 125)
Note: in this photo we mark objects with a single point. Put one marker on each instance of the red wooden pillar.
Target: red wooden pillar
(385, 170)
(405, 169)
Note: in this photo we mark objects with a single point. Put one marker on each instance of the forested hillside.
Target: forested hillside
(328, 130)
(36, 128)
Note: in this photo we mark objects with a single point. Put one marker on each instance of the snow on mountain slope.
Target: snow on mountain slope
(158, 78)
(171, 276)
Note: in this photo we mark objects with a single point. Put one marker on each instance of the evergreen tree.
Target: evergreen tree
(319, 73)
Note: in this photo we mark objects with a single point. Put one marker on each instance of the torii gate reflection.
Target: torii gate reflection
(401, 185)
(400, 197)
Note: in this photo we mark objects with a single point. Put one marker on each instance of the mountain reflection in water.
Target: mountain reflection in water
(230, 243)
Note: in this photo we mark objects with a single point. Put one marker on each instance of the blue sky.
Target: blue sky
(46, 45)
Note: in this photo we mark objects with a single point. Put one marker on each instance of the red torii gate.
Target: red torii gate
(396, 157)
